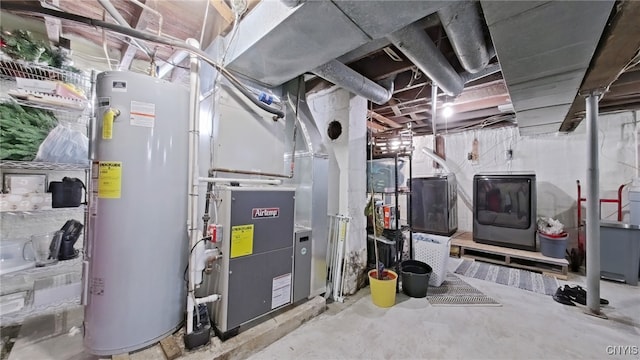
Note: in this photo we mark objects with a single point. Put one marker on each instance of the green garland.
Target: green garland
(20, 45)
(22, 130)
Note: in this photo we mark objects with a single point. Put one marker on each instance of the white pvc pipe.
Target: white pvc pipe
(194, 107)
(593, 202)
(208, 299)
(241, 181)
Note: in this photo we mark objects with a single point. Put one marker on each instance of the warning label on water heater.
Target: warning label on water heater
(281, 290)
(110, 179)
(142, 114)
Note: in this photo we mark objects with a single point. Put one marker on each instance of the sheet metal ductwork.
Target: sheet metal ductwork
(463, 25)
(545, 50)
(343, 76)
(416, 45)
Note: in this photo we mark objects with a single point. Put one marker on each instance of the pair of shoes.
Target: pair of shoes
(561, 297)
(579, 295)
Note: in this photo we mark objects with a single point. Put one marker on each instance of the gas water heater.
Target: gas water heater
(134, 290)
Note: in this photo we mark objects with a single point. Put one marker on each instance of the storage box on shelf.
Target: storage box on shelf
(63, 92)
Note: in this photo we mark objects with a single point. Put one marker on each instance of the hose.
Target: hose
(8, 5)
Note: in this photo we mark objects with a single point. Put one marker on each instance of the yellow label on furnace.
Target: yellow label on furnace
(109, 179)
(241, 240)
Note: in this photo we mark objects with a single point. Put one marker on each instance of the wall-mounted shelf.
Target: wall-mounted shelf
(39, 165)
(10, 70)
(57, 211)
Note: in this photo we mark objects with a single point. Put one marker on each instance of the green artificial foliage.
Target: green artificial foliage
(22, 130)
(21, 45)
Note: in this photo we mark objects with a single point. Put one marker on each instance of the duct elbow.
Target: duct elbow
(462, 23)
(416, 45)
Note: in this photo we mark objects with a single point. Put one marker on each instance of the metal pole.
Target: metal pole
(434, 101)
(593, 201)
(637, 138)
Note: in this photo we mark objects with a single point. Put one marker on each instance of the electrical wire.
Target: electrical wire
(602, 152)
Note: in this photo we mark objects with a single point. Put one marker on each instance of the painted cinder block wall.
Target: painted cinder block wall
(347, 171)
(557, 159)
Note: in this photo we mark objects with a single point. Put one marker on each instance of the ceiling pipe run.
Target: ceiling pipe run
(416, 45)
(343, 76)
(462, 23)
(107, 5)
(175, 59)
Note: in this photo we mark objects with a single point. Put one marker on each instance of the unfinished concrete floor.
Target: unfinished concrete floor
(527, 326)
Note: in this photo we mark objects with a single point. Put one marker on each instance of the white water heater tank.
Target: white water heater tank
(134, 290)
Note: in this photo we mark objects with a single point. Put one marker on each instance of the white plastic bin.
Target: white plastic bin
(434, 251)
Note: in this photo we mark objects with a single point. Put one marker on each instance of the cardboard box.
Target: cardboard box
(40, 86)
(21, 184)
(389, 216)
(25, 202)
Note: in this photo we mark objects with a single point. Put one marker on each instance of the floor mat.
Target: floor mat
(456, 292)
(518, 278)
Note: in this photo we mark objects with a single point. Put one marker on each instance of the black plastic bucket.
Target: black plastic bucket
(415, 278)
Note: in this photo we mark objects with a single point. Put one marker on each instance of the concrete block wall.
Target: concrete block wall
(557, 159)
(347, 169)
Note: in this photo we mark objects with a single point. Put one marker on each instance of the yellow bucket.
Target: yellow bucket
(383, 292)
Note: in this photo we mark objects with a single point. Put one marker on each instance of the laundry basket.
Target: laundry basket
(434, 251)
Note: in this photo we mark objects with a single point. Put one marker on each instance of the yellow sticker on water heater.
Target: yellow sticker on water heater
(109, 179)
(241, 240)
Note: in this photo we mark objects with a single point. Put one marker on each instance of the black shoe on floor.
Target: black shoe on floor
(579, 295)
(561, 297)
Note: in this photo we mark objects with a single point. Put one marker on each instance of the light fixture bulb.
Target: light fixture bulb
(447, 111)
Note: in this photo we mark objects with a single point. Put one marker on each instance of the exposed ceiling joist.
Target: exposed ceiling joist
(383, 119)
(224, 10)
(129, 51)
(375, 126)
(381, 67)
(618, 46)
(53, 25)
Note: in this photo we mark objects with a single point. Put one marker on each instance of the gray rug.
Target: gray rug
(456, 292)
(522, 279)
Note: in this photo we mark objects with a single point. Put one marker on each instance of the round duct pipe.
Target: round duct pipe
(416, 45)
(343, 76)
(461, 22)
